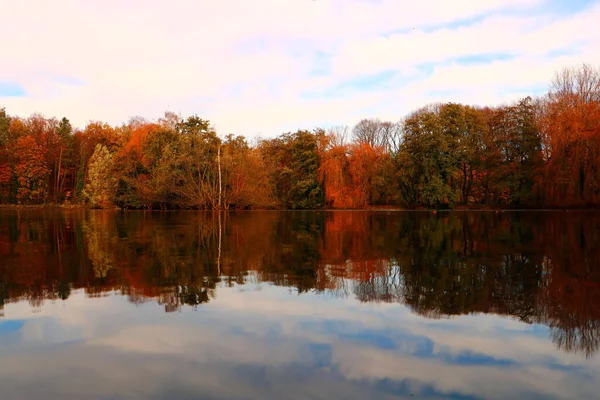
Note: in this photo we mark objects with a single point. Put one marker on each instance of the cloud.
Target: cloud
(269, 66)
(275, 344)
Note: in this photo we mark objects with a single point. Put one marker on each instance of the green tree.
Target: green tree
(464, 128)
(516, 130)
(294, 164)
(427, 160)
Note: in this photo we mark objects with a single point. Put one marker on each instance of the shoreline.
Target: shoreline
(43, 206)
(51, 206)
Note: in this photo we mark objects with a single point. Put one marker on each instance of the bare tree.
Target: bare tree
(392, 133)
(580, 86)
(340, 134)
(369, 131)
(378, 133)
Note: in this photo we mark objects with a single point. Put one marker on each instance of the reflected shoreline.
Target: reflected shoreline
(536, 267)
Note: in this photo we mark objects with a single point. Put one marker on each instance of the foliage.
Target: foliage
(6, 167)
(427, 159)
(4, 127)
(570, 125)
(100, 188)
(294, 164)
(535, 152)
(353, 175)
(31, 172)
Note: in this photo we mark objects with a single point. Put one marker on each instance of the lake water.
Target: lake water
(299, 305)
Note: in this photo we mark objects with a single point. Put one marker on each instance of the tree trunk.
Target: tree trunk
(220, 182)
(57, 183)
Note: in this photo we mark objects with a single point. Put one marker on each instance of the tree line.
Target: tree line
(535, 152)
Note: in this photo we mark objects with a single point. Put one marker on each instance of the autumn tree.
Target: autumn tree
(6, 170)
(161, 150)
(244, 176)
(365, 167)
(52, 137)
(84, 145)
(100, 189)
(333, 174)
(135, 160)
(4, 126)
(200, 164)
(571, 138)
(353, 176)
(489, 187)
(64, 166)
(31, 171)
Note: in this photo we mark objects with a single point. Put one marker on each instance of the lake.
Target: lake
(299, 305)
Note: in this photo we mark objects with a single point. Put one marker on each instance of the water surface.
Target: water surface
(299, 305)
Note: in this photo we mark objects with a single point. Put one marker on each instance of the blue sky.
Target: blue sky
(11, 89)
(269, 66)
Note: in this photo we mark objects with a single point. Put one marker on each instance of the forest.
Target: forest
(537, 152)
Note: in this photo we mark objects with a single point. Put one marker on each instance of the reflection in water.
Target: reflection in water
(538, 267)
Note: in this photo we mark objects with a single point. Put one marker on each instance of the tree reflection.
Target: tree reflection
(100, 240)
(536, 267)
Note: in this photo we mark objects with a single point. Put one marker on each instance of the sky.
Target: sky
(264, 67)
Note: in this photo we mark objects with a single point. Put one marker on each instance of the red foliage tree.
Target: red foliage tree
(31, 171)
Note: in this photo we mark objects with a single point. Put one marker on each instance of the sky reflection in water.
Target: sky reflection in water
(309, 305)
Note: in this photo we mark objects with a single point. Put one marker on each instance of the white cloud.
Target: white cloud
(247, 65)
(260, 341)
